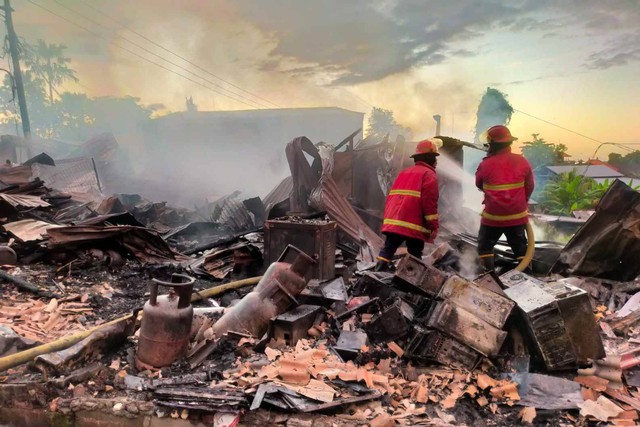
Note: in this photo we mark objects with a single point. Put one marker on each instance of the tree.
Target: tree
(70, 116)
(47, 61)
(541, 153)
(191, 106)
(381, 122)
(494, 109)
(628, 164)
(36, 96)
(560, 152)
(82, 117)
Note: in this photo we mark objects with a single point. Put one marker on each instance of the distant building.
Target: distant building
(212, 153)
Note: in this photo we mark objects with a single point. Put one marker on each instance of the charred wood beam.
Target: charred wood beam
(348, 140)
(24, 285)
(220, 242)
(622, 324)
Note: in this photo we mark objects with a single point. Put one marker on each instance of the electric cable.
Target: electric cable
(94, 8)
(136, 54)
(93, 21)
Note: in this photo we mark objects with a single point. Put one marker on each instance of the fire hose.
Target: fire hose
(25, 356)
(531, 246)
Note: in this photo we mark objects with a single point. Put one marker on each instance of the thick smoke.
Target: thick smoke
(494, 109)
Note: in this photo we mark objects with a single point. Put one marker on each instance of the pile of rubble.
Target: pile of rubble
(316, 333)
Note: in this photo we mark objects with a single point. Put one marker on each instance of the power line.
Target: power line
(90, 6)
(358, 98)
(558, 126)
(135, 53)
(94, 8)
(259, 104)
(617, 144)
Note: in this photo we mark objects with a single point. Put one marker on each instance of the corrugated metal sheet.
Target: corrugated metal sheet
(230, 211)
(29, 229)
(279, 194)
(607, 245)
(25, 201)
(15, 174)
(327, 196)
(591, 171)
(70, 175)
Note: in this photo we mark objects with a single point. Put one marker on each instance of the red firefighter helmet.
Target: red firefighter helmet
(428, 146)
(500, 134)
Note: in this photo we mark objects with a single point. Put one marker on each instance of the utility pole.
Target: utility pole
(17, 73)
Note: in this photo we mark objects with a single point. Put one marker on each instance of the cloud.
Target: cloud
(620, 51)
(363, 40)
(367, 41)
(292, 52)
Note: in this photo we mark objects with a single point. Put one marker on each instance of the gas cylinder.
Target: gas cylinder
(273, 295)
(166, 323)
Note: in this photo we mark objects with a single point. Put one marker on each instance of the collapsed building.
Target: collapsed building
(265, 310)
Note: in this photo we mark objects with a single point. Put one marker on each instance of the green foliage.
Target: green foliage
(66, 115)
(628, 164)
(381, 122)
(541, 153)
(572, 192)
(494, 109)
(47, 62)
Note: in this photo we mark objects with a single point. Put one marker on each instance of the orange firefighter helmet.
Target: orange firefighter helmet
(499, 134)
(428, 146)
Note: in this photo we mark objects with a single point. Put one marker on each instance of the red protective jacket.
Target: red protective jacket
(412, 204)
(507, 182)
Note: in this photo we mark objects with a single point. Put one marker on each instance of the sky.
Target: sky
(570, 68)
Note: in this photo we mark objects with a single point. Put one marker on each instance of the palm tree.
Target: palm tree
(47, 61)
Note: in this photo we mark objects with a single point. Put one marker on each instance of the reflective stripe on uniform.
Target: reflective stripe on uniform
(379, 258)
(411, 193)
(431, 217)
(499, 187)
(504, 217)
(405, 225)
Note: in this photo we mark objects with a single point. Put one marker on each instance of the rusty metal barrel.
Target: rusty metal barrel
(166, 323)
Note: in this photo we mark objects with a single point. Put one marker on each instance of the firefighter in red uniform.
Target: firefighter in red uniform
(507, 182)
(411, 210)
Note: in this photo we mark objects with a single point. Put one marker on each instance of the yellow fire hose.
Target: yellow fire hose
(531, 246)
(16, 359)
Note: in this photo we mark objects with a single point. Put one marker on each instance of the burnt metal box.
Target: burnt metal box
(492, 282)
(391, 323)
(429, 345)
(579, 321)
(350, 342)
(316, 238)
(293, 325)
(515, 277)
(544, 323)
(482, 302)
(466, 328)
(421, 306)
(371, 285)
(324, 294)
(412, 275)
